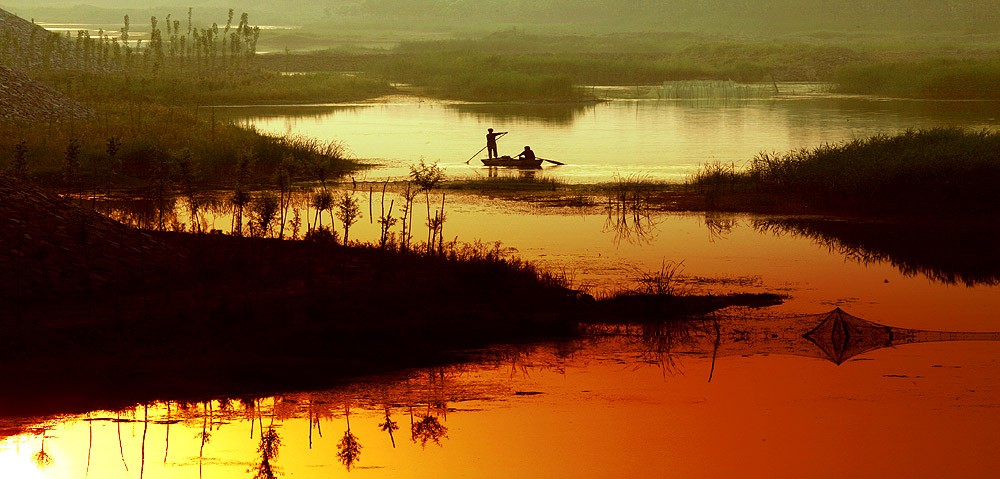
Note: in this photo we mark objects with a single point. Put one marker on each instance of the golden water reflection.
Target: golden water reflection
(735, 394)
(661, 139)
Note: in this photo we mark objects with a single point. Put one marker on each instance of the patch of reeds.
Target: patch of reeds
(187, 87)
(176, 64)
(129, 144)
(714, 89)
(503, 182)
(515, 65)
(941, 170)
(631, 192)
(944, 78)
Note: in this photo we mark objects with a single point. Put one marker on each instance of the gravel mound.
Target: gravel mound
(51, 246)
(26, 100)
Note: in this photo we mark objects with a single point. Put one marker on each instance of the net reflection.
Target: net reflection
(834, 336)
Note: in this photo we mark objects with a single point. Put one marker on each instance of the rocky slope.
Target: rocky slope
(26, 100)
(51, 247)
(22, 48)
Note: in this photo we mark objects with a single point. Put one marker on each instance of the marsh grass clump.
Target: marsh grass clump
(629, 202)
(939, 78)
(630, 194)
(520, 182)
(493, 261)
(120, 149)
(664, 282)
(714, 89)
(936, 171)
(713, 179)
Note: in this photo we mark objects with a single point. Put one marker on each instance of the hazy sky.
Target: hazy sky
(758, 16)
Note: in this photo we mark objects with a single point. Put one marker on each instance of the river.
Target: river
(799, 390)
(628, 137)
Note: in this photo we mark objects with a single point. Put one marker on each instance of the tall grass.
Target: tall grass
(251, 86)
(472, 68)
(941, 170)
(121, 146)
(945, 78)
(523, 180)
(513, 65)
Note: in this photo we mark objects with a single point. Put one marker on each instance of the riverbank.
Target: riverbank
(98, 313)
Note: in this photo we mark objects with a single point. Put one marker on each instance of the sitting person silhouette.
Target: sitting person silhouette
(527, 154)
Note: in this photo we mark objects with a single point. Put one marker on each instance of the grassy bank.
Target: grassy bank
(115, 314)
(190, 88)
(932, 78)
(129, 145)
(939, 171)
(514, 65)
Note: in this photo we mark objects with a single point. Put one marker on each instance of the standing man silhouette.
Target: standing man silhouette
(491, 142)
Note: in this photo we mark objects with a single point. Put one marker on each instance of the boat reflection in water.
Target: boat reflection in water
(283, 435)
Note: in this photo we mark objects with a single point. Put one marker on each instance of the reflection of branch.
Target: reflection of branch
(41, 458)
(719, 226)
(121, 449)
(630, 222)
(268, 449)
(348, 449)
(428, 429)
(90, 442)
(389, 425)
(145, 428)
(715, 349)
(205, 434)
(166, 441)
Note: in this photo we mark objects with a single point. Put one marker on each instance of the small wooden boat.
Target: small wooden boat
(510, 162)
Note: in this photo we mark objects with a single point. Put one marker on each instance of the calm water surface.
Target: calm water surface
(772, 393)
(656, 139)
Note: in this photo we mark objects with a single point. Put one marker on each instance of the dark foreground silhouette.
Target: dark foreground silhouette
(98, 314)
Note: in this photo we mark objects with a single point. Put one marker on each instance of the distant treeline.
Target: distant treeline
(515, 65)
(756, 16)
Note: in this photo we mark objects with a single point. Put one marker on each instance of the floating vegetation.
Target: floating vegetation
(715, 89)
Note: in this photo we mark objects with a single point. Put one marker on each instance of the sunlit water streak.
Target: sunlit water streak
(649, 138)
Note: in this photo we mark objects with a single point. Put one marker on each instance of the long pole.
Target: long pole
(475, 155)
(483, 148)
